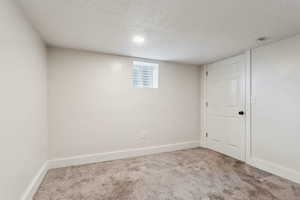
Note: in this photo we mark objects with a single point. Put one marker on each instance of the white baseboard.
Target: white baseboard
(107, 156)
(92, 158)
(35, 183)
(276, 169)
(284, 172)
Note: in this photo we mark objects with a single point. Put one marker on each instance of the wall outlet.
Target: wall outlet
(143, 137)
(144, 134)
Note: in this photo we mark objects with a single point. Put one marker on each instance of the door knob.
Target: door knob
(241, 112)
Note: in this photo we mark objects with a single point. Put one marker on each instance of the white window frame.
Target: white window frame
(155, 72)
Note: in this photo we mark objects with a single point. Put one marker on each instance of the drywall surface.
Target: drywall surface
(275, 104)
(23, 123)
(93, 107)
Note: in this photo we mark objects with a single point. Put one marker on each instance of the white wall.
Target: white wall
(22, 102)
(93, 107)
(276, 104)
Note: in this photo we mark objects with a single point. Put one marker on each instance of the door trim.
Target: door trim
(247, 97)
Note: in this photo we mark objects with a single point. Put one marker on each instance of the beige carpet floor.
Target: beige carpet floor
(195, 174)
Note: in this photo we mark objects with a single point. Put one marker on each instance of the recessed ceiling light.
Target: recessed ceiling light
(138, 39)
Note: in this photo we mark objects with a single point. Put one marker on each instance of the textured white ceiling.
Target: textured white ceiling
(189, 31)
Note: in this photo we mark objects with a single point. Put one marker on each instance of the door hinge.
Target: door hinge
(206, 73)
(206, 103)
(206, 134)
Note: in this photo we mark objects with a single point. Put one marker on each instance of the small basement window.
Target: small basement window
(145, 75)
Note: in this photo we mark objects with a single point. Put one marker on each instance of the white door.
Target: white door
(225, 107)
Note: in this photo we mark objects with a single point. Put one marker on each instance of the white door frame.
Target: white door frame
(247, 93)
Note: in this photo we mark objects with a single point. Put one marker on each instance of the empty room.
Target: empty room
(149, 100)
